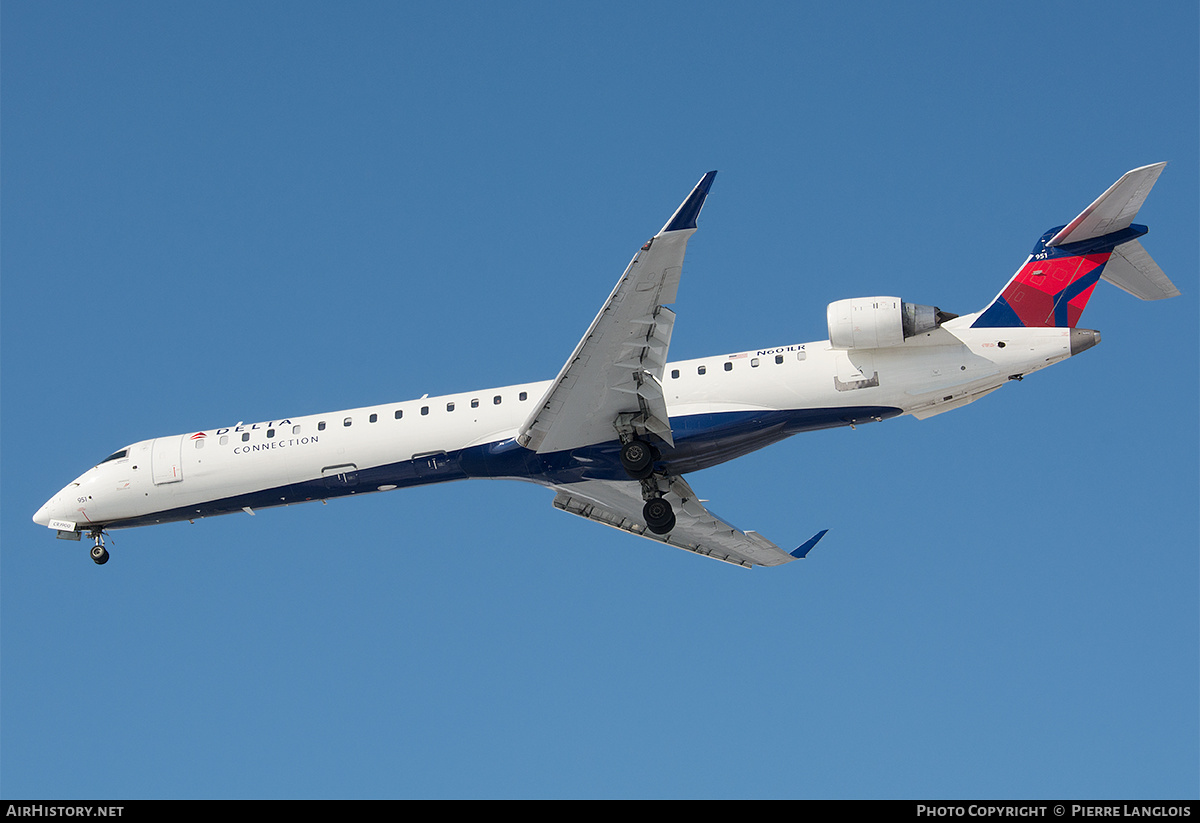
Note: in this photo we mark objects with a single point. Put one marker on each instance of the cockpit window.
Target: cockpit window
(116, 455)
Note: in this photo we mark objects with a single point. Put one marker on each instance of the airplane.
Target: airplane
(615, 432)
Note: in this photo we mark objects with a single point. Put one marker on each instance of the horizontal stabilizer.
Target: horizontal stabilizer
(1132, 269)
(1114, 210)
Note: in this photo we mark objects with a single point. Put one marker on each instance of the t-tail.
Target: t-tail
(1053, 286)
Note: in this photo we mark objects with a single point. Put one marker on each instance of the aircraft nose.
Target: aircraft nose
(42, 517)
(52, 509)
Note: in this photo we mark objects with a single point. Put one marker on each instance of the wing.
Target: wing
(615, 376)
(618, 365)
(619, 504)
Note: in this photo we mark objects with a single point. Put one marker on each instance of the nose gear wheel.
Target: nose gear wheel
(98, 552)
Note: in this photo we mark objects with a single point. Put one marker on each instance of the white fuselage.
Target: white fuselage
(720, 407)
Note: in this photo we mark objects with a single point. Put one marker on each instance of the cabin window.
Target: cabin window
(754, 362)
(523, 396)
(245, 436)
(373, 418)
(200, 443)
(270, 433)
(674, 374)
(801, 355)
(449, 407)
(321, 426)
(424, 410)
(224, 440)
(474, 402)
(496, 400)
(728, 366)
(399, 413)
(700, 370)
(347, 422)
(778, 358)
(296, 429)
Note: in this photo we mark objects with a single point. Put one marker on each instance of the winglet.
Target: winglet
(685, 216)
(807, 545)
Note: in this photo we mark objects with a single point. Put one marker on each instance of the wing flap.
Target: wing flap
(697, 530)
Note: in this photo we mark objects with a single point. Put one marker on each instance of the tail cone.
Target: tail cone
(1083, 339)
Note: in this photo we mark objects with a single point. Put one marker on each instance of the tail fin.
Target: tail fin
(1054, 285)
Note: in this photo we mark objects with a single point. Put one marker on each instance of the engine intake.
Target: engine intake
(879, 322)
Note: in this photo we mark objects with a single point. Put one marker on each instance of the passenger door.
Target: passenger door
(166, 460)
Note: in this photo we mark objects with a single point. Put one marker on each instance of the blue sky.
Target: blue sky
(226, 211)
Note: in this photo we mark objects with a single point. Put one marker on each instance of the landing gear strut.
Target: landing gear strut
(637, 458)
(99, 553)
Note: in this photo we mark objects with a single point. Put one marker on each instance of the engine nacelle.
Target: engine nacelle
(879, 322)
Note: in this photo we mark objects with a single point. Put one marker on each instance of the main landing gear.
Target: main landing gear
(660, 517)
(637, 458)
(99, 553)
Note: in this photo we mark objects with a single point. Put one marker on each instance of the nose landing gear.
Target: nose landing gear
(99, 553)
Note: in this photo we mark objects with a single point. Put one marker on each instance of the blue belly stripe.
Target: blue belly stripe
(701, 441)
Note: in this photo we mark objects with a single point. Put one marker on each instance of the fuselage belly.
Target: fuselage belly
(720, 408)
